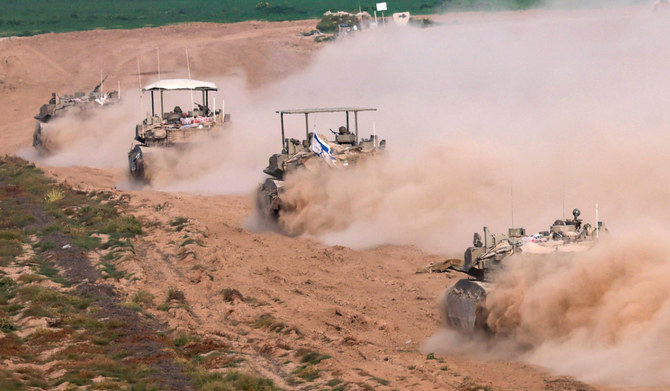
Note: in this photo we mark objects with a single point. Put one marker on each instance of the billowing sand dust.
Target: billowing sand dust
(366, 308)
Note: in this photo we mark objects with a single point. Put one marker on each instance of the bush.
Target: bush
(176, 295)
(123, 226)
(143, 297)
(53, 195)
(6, 325)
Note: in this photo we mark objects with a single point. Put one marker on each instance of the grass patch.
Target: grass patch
(43, 335)
(230, 295)
(381, 381)
(109, 270)
(54, 195)
(45, 245)
(46, 302)
(132, 306)
(100, 338)
(311, 357)
(179, 223)
(84, 321)
(268, 322)
(307, 372)
(175, 294)
(234, 380)
(47, 270)
(87, 242)
(175, 298)
(11, 244)
(143, 297)
(183, 339)
(28, 278)
(6, 325)
(123, 226)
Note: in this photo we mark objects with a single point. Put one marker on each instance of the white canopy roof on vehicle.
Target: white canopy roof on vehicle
(180, 84)
(326, 110)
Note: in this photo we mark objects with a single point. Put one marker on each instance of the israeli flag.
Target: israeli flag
(322, 149)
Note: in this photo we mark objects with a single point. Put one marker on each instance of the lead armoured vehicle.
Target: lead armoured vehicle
(79, 103)
(314, 150)
(464, 308)
(176, 129)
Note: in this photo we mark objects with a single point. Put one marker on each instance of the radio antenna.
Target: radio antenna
(511, 196)
(158, 55)
(139, 81)
(564, 201)
(597, 223)
(188, 66)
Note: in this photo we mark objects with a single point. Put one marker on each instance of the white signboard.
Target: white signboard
(381, 6)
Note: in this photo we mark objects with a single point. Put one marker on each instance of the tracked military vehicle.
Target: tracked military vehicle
(346, 150)
(78, 103)
(177, 129)
(464, 307)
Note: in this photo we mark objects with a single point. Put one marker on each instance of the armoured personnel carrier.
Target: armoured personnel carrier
(176, 129)
(464, 308)
(347, 149)
(79, 103)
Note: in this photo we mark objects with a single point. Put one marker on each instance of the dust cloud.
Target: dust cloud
(602, 315)
(98, 137)
(525, 115)
(489, 120)
(491, 123)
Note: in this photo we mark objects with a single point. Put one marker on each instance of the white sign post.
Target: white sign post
(381, 7)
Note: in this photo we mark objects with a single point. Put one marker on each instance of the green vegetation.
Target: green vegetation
(209, 381)
(309, 359)
(381, 381)
(312, 357)
(270, 323)
(179, 223)
(143, 298)
(175, 299)
(231, 294)
(85, 331)
(29, 17)
(307, 372)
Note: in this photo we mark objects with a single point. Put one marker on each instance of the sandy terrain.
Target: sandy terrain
(369, 310)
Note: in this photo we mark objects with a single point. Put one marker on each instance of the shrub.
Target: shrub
(54, 195)
(176, 295)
